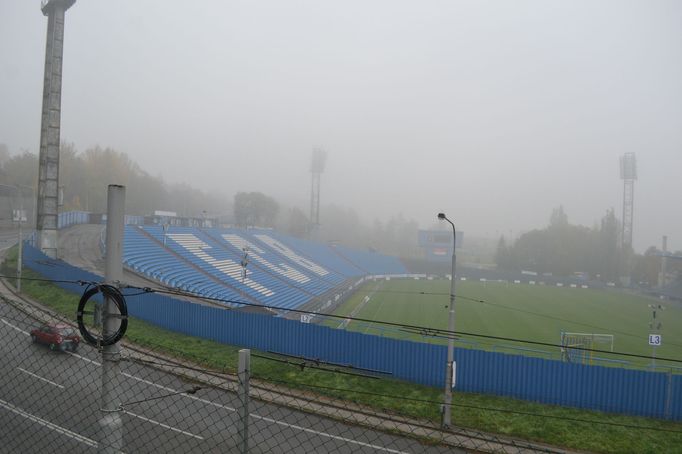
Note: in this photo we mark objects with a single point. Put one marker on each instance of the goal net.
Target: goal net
(577, 347)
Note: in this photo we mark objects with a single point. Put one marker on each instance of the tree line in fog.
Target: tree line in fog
(565, 249)
(85, 175)
(561, 248)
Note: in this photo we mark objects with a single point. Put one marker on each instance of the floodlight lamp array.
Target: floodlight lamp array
(628, 167)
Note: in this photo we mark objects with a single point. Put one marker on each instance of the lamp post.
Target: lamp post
(450, 369)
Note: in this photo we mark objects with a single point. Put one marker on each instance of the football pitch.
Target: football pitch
(519, 311)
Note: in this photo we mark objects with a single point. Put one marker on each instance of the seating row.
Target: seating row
(260, 265)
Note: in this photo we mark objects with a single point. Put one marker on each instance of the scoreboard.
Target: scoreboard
(437, 244)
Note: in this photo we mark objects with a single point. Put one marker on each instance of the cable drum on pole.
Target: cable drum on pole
(109, 291)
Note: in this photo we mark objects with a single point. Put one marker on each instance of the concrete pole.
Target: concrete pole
(449, 383)
(111, 423)
(48, 171)
(244, 372)
(450, 366)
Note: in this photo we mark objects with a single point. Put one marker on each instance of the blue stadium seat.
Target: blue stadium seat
(281, 271)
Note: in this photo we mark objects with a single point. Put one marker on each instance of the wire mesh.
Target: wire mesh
(51, 399)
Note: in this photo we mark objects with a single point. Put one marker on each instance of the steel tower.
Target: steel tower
(628, 173)
(316, 169)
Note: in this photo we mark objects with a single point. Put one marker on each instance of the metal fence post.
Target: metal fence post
(668, 395)
(20, 254)
(244, 373)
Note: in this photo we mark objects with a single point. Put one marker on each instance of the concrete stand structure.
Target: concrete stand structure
(48, 174)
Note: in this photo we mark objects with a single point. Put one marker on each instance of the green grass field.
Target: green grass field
(519, 311)
(568, 427)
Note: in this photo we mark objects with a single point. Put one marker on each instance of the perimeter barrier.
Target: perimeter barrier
(610, 389)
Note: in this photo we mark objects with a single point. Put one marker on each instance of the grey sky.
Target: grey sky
(492, 111)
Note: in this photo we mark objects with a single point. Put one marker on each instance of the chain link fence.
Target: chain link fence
(57, 396)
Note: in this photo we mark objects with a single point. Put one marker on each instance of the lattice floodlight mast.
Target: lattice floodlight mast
(48, 171)
(628, 173)
(316, 169)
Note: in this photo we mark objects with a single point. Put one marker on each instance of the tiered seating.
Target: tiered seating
(216, 259)
(263, 257)
(152, 259)
(349, 262)
(281, 271)
(320, 253)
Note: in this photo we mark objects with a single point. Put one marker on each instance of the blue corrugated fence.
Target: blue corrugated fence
(642, 393)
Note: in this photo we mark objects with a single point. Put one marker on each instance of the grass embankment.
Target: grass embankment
(554, 427)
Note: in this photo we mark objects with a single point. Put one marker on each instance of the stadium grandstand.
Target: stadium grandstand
(255, 266)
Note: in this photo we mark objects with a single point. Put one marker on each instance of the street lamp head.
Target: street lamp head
(441, 216)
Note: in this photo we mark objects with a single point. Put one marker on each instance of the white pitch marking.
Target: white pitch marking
(165, 426)
(41, 378)
(263, 418)
(13, 326)
(48, 424)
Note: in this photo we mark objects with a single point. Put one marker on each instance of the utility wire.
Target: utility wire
(467, 433)
(477, 407)
(318, 361)
(406, 292)
(459, 297)
(424, 330)
(551, 317)
(147, 362)
(411, 399)
(164, 396)
(511, 308)
(345, 390)
(311, 365)
(416, 329)
(56, 281)
(144, 350)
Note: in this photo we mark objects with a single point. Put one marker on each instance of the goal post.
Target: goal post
(578, 347)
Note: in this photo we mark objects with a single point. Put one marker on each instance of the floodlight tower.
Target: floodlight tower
(316, 169)
(48, 171)
(663, 275)
(628, 173)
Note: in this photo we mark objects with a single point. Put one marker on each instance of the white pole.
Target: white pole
(111, 423)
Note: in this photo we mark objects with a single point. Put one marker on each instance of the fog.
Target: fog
(494, 112)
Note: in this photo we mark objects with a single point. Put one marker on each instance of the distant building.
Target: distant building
(437, 244)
